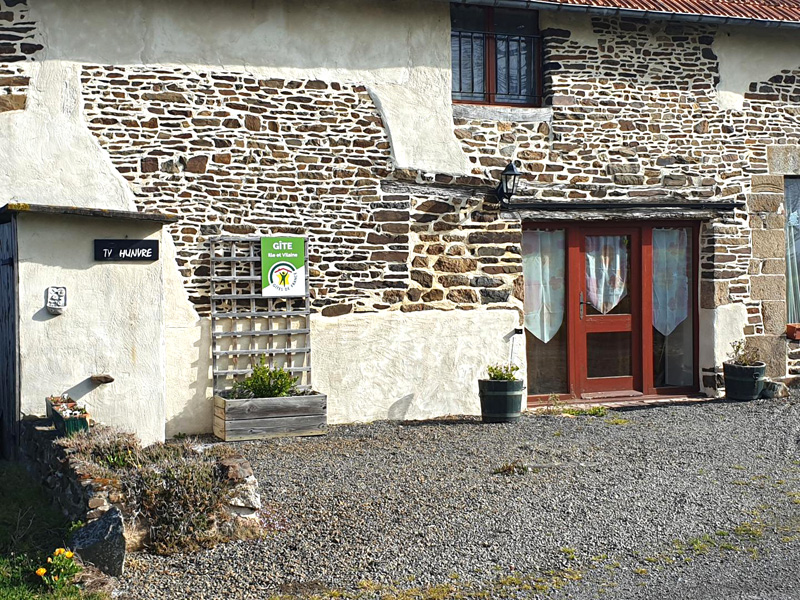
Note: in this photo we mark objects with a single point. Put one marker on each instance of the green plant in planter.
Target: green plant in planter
(743, 373)
(265, 382)
(743, 356)
(503, 372)
(501, 394)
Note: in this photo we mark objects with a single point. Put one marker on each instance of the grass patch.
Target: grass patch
(557, 407)
(569, 553)
(509, 585)
(748, 530)
(594, 411)
(617, 421)
(30, 529)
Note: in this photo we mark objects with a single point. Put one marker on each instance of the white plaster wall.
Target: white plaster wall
(752, 54)
(393, 365)
(719, 328)
(400, 49)
(189, 405)
(48, 155)
(113, 324)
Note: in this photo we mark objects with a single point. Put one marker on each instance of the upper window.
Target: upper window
(496, 55)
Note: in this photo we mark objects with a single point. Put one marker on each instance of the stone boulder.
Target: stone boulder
(244, 500)
(102, 543)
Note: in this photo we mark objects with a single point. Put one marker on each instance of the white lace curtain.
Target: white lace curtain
(543, 261)
(670, 279)
(606, 271)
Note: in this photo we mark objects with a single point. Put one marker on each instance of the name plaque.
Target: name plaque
(126, 250)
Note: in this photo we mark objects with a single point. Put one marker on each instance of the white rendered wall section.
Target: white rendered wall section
(113, 324)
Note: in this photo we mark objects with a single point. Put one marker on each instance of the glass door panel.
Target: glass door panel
(544, 272)
(673, 316)
(608, 354)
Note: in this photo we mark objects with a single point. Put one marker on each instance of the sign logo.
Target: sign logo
(283, 276)
(283, 267)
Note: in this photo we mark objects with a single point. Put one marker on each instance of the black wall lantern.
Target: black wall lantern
(509, 179)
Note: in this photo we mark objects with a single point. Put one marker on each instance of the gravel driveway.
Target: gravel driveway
(695, 501)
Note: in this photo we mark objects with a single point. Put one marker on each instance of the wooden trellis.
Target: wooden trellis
(245, 326)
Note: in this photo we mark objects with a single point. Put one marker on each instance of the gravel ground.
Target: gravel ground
(693, 501)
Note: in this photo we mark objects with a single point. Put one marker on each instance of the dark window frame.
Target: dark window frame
(536, 98)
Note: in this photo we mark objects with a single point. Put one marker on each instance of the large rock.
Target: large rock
(244, 500)
(102, 543)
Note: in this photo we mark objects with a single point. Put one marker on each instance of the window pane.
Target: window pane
(673, 324)
(792, 191)
(673, 356)
(608, 271)
(547, 363)
(608, 354)
(544, 271)
(515, 50)
(468, 52)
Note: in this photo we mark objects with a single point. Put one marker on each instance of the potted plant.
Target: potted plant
(744, 373)
(267, 404)
(501, 395)
(68, 418)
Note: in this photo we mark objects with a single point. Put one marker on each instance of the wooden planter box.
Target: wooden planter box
(262, 418)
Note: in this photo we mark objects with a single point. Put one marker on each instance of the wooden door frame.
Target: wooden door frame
(580, 327)
(645, 331)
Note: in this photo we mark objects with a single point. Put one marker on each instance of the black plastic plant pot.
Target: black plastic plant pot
(743, 382)
(501, 401)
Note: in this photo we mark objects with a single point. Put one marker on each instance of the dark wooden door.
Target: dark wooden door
(9, 398)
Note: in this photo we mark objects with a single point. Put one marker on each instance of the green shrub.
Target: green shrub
(503, 372)
(265, 382)
(183, 501)
(176, 491)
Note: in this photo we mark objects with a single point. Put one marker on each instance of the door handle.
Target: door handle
(580, 305)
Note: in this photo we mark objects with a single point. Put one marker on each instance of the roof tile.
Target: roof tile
(763, 10)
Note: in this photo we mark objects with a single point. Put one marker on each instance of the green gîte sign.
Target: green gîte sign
(283, 267)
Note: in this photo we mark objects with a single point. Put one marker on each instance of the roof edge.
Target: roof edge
(635, 13)
(22, 207)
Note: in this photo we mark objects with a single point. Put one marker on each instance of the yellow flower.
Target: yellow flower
(69, 554)
(49, 559)
(59, 551)
(41, 571)
(55, 578)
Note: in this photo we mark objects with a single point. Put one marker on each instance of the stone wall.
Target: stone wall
(68, 481)
(235, 154)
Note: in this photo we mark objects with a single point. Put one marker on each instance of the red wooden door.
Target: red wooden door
(605, 311)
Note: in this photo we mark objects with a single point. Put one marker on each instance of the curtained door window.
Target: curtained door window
(544, 271)
(792, 191)
(673, 327)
